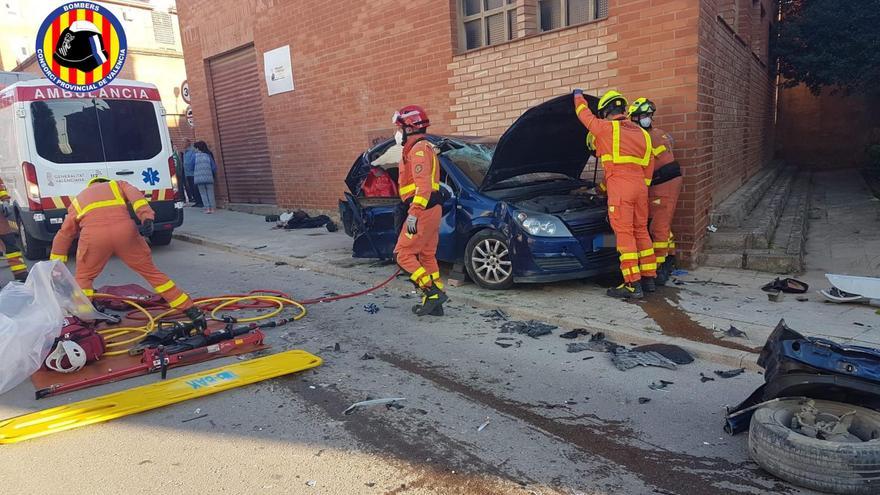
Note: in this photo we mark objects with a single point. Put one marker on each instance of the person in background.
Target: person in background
(9, 242)
(189, 164)
(665, 187)
(625, 152)
(204, 170)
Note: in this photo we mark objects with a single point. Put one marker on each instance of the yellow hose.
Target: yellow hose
(226, 301)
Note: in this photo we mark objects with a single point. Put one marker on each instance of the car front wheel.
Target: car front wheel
(488, 261)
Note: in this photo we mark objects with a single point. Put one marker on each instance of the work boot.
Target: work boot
(627, 291)
(662, 275)
(649, 284)
(433, 305)
(197, 317)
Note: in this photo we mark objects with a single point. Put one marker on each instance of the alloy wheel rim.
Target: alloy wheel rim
(491, 261)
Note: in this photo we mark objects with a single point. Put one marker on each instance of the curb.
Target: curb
(709, 352)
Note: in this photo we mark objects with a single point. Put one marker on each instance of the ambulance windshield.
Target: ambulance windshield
(95, 130)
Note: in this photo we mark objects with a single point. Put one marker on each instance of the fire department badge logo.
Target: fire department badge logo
(81, 46)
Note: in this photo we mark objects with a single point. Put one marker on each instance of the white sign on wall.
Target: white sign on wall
(278, 70)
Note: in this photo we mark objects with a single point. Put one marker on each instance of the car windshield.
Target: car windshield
(95, 130)
(472, 158)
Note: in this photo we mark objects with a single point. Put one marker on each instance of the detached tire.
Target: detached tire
(162, 238)
(832, 467)
(488, 261)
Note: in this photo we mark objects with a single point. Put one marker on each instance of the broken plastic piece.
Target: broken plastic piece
(660, 386)
(371, 308)
(367, 356)
(730, 373)
(671, 352)
(704, 378)
(575, 333)
(644, 400)
(495, 315)
(372, 402)
(625, 359)
(735, 332)
(484, 425)
(532, 328)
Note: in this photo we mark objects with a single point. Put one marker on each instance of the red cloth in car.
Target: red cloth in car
(379, 184)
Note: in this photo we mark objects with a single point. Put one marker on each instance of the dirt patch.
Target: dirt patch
(672, 471)
(675, 322)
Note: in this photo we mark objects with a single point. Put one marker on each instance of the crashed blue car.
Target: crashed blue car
(518, 209)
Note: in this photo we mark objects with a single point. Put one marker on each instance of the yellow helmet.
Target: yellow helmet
(97, 179)
(640, 107)
(611, 100)
(591, 141)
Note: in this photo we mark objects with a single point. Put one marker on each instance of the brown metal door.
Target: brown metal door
(244, 146)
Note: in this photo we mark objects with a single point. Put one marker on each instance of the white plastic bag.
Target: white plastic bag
(31, 317)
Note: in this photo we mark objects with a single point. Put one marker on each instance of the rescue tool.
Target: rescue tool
(153, 396)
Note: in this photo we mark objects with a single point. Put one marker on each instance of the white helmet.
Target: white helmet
(76, 357)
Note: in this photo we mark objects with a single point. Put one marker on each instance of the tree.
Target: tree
(829, 43)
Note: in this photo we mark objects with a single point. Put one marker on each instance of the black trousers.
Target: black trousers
(193, 191)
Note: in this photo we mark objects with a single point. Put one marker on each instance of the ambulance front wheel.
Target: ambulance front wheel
(32, 249)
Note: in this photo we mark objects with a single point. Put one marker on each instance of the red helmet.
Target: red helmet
(411, 116)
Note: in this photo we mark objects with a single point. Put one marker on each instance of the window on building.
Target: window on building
(486, 22)
(554, 14)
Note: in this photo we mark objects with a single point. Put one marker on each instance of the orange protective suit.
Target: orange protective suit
(663, 194)
(418, 182)
(101, 217)
(625, 151)
(10, 243)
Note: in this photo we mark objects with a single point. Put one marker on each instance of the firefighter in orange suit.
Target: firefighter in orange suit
(100, 216)
(625, 151)
(10, 243)
(419, 188)
(665, 188)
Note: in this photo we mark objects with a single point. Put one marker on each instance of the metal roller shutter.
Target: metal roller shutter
(244, 146)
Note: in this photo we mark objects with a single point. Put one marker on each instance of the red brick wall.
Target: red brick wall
(828, 131)
(354, 64)
(736, 108)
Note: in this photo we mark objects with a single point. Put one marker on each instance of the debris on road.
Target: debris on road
(280, 263)
(575, 333)
(787, 285)
(625, 359)
(371, 402)
(532, 328)
(367, 356)
(200, 416)
(704, 378)
(730, 373)
(261, 247)
(776, 296)
(671, 352)
(311, 483)
(371, 308)
(660, 386)
(644, 400)
(735, 333)
(597, 343)
(495, 315)
(484, 425)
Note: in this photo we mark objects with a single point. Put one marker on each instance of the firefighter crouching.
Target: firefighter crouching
(665, 188)
(10, 243)
(625, 152)
(100, 216)
(419, 188)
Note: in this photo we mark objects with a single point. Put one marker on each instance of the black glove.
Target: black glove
(6, 210)
(147, 228)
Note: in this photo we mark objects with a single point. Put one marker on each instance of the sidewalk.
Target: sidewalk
(692, 314)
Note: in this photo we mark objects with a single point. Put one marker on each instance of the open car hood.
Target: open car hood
(547, 138)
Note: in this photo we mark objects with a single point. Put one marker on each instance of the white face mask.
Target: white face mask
(646, 122)
(398, 137)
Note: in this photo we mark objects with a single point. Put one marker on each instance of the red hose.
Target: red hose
(354, 294)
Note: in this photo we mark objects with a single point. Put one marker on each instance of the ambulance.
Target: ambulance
(52, 142)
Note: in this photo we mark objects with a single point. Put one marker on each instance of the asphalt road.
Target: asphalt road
(558, 422)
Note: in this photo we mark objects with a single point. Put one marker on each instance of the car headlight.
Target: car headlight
(540, 225)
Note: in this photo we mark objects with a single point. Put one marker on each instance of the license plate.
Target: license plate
(604, 241)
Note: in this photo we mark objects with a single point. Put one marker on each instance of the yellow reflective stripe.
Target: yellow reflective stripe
(648, 266)
(602, 186)
(75, 204)
(139, 204)
(4, 194)
(89, 292)
(661, 260)
(165, 287)
(671, 244)
(630, 271)
(435, 186)
(648, 182)
(424, 280)
(615, 151)
(407, 189)
(18, 268)
(435, 275)
(417, 274)
(116, 193)
(420, 153)
(661, 245)
(646, 252)
(579, 109)
(629, 256)
(418, 200)
(438, 284)
(16, 254)
(60, 257)
(180, 300)
(659, 149)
